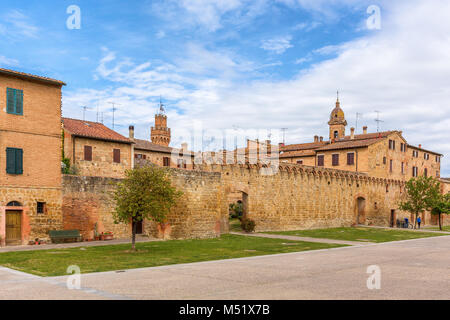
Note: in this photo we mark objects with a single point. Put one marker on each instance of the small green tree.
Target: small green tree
(421, 194)
(145, 193)
(442, 206)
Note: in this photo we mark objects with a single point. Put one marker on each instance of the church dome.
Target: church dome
(337, 115)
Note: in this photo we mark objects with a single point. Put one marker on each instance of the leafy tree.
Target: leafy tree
(145, 193)
(421, 194)
(442, 206)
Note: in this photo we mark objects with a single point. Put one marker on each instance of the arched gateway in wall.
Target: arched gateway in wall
(360, 210)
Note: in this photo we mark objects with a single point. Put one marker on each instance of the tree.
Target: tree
(145, 193)
(442, 206)
(421, 194)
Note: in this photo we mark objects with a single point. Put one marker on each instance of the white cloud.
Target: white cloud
(277, 45)
(15, 24)
(402, 70)
(9, 62)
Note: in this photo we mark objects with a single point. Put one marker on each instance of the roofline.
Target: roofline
(147, 149)
(28, 76)
(414, 147)
(100, 139)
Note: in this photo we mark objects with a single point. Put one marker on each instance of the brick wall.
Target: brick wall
(199, 213)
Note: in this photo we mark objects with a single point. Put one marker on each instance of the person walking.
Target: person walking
(419, 221)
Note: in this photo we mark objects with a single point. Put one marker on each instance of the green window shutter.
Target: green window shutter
(19, 102)
(14, 161)
(10, 100)
(10, 161)
(19, 161)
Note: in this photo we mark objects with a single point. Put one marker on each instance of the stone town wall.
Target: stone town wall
(200, 213)
(298, 196)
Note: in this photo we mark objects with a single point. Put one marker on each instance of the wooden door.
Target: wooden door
(13, 227)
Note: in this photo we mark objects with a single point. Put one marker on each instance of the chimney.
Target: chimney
(420, 146)
(131, 132)
(184, 146)
(365, 130)
(352, 133)
(321, 138)
(316, 138)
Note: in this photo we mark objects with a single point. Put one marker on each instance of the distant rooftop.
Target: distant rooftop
(93, 130)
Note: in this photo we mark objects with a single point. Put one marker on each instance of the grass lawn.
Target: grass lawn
(444, 228)
(235, 225)
(54, 262)
(360, 234)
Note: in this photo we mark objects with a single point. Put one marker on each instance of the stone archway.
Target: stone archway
(360, 210)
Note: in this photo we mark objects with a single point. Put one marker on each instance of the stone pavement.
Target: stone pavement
(296, 238)
(410, 269)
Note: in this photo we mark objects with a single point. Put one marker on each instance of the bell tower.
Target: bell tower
(337, 122)
(160, 133)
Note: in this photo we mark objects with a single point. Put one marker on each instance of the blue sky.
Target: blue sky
(256, 65)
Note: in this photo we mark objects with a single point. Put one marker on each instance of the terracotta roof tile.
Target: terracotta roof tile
(346, 144)
(150, 146)
(30, 76)
(147, 145)
(301, 153)
(94, 130)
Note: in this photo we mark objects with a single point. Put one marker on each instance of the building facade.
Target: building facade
(30, 156)
(380, 154)
(95, 150)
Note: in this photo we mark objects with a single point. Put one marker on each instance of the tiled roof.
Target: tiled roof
(147, 145)
(30, 76)
(303, 146)
(351, 143)
(347, 144)
(94, 130)
(302, 153)
(150, 146)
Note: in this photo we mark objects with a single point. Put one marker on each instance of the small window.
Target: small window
(425, 172)
(390, 165)
(40, 208)
(390, 144)
(166, 162)
(88, 153)
(335, 159)
(320, 160)
(14, 161)
(403, 168)
(116, 155)
(299, 161)
(14, 101)
(393, 144)
(335, 134)
(384, 160)
(350, 158)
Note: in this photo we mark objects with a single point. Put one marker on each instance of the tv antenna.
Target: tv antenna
(378, 120)
(84, 112)
(113, 111)
(284, 133)
(358, 116)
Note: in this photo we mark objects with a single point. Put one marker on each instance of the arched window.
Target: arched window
(14, 204)
(335, 134)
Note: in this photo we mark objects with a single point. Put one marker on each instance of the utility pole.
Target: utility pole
(378, 120)
(113, 111)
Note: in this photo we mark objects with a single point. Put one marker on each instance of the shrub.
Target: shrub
(248, 225)
(235, 210)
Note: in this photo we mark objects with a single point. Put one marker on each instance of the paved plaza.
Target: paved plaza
(410, 269)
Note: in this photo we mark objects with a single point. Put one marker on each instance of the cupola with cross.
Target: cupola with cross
(337, 122)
